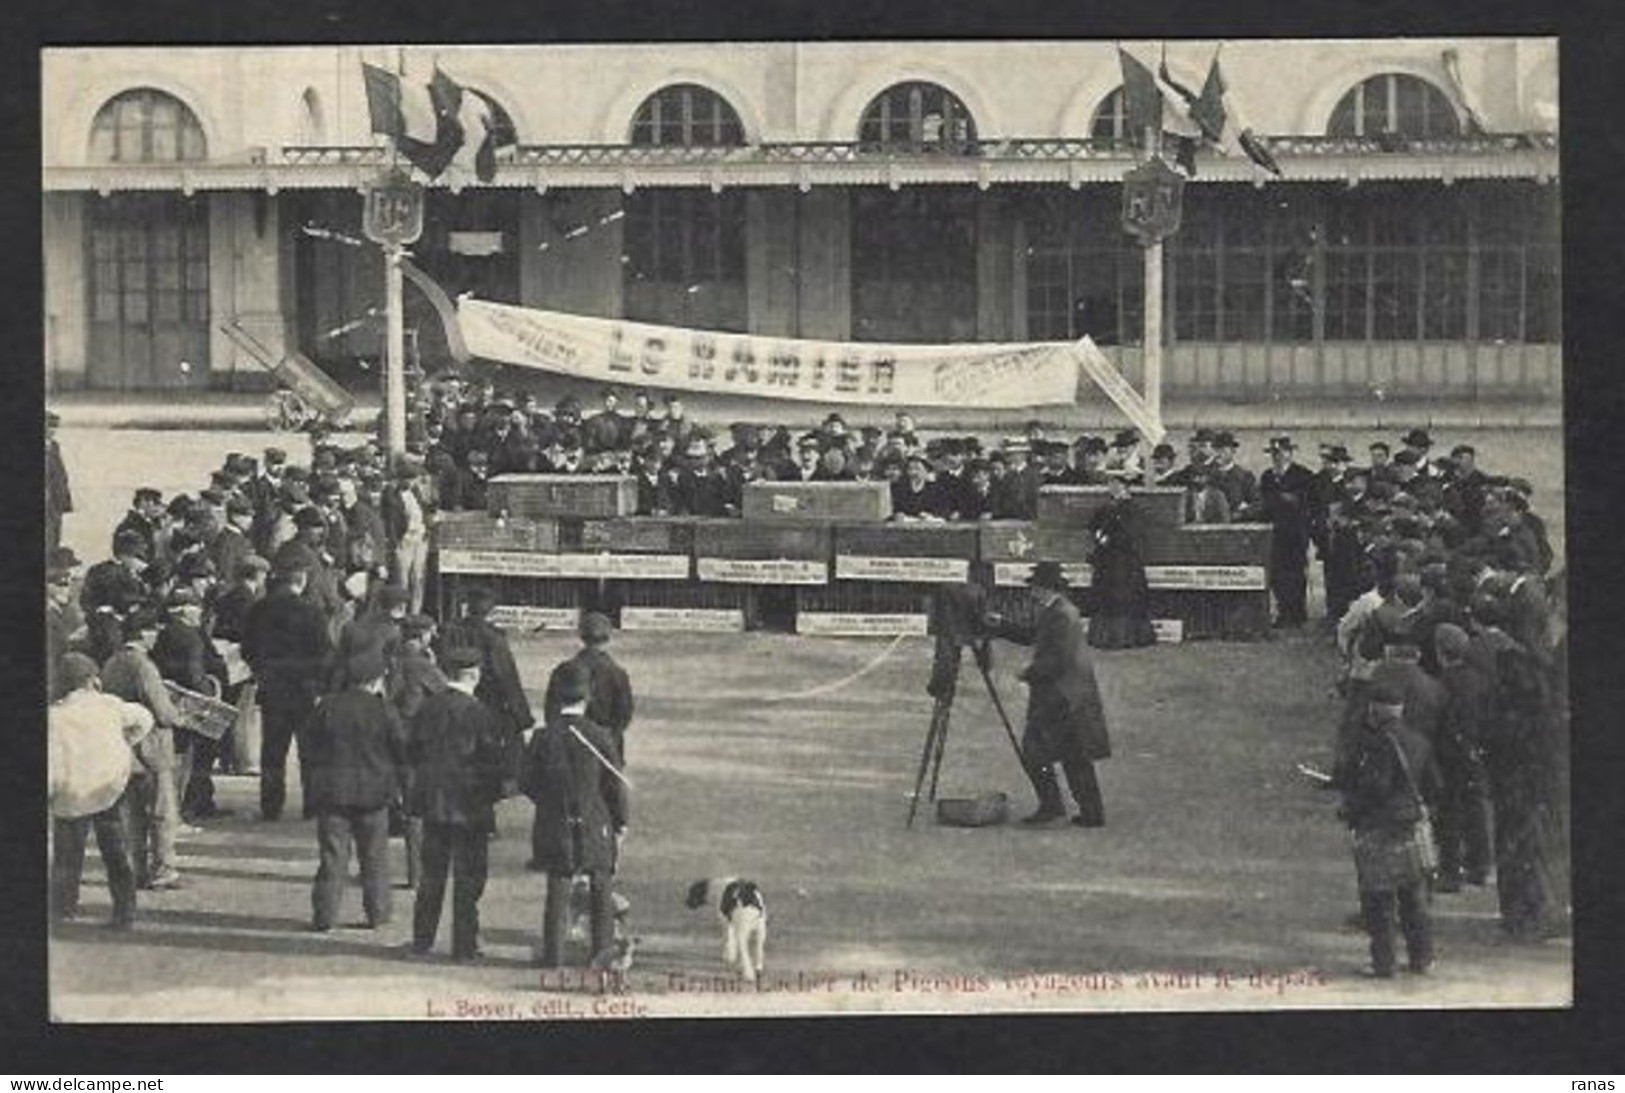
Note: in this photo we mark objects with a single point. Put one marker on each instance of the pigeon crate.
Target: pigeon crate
(1064, 544)
(756, 541)
(582, 496)
(907, 540)
(1222, 544)
(479, 531)
(869, 501)
(692, 594)
(525, 591)
(1006, 540)
(637, 535)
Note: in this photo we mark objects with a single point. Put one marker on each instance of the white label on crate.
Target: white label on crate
(1213, 578)
(1168, 631)
(786, 503)
(1013, 574)
(515, 616)
(858, 567)
(709, 620)
(512, 563)
(1202, 578)
(763, 571)
(842, 624)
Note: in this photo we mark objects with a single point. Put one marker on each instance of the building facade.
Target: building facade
(896, 191)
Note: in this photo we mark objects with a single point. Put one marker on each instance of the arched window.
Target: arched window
(1107, 126)
(917, 117)
(1394, 104)
(146, 126)
(312, 119)
(686, 115)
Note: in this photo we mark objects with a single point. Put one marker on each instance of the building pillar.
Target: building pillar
(66, 283)
(993, 269)
(579, 273)
(772, 276)
(826, 263)
(245, 285)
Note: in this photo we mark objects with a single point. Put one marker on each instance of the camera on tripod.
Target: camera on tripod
(960, 619)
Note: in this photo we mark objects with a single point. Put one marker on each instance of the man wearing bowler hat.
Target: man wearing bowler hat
(1284, 491)
(1066, 721)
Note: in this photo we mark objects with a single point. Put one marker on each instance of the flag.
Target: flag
(1221, 124)
(438, 124)
(1149, 103)
(414, 115)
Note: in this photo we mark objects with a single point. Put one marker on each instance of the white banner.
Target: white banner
(688, 620)
(984, 375)
(1106, 376)
(1011, 574)
(845, 624)
(508, 563)
(762, 571)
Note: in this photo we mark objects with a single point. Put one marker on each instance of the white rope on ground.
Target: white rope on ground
(825, 688)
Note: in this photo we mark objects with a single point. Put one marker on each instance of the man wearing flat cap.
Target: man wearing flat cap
(357, 759)
(1066, 721)
(305, 551)
(455, 753)
(609, 688)
(1284, 493)
(1388, 779)
(286, 644)
(231, 544)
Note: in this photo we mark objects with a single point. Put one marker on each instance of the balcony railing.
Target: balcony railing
(1023, 149)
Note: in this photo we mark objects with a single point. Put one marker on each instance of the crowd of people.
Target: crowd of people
(304, 584)
(294, 593)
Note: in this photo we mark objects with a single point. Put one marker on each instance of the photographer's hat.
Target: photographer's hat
(1047, 575)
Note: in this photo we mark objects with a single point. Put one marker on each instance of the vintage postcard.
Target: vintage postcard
(544, 532)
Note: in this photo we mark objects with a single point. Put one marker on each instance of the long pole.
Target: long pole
(1151, 341)
(395, 355)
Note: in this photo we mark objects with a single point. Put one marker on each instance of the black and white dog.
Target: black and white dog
(743, 912)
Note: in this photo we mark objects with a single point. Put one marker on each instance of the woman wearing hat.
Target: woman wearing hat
(1122, 613)
(1066, 722)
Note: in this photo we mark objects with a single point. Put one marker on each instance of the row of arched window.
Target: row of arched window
(150, 126)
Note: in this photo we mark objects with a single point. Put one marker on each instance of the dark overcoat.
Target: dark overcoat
(579, 804)
(1065, 716)
(357, 752)
(609, 693)
(454, 750)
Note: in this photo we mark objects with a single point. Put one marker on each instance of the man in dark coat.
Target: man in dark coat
(116, 581)
(231, 544)
(185, 656)
(1284, 491)
(581, 815)
(1463, 817)
(357, 754)
(58, 494)
(1238, 484)
(1066, 721)
(145, 520)
(305, 551)
(379, 627)
(499, 687)
(609, 688)
(285, 644)
(455, 753)
(1388, 776)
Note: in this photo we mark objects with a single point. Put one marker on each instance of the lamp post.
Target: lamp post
(1152, 193)
(394, 218)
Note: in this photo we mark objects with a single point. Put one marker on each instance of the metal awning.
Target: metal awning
(806, 164)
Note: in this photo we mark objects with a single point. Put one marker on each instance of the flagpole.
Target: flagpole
(1151, 339)
(395, 326)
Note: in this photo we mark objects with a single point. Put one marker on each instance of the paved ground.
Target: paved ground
(1221, 881)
